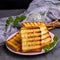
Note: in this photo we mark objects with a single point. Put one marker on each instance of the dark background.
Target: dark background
(14, 4)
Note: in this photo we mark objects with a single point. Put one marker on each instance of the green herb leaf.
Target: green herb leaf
(18, 19)
(49, 47)
(15, 23)
(9, 20)
(55, 38)
(22, 18)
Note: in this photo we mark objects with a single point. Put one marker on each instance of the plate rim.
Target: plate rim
(20, 53)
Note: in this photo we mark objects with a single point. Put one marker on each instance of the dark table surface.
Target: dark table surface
(5, 54)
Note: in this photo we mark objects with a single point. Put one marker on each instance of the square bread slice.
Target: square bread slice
(30, 39)
(45, 36)
(35, 36)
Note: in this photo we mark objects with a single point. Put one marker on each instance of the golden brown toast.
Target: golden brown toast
(45, 36)
(31, 24)
(30, 39)
(34, 35)
(14, 42)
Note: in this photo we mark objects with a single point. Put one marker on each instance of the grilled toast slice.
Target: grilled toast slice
(30, 39)
(14, 42)
(45, 36)
(34, 36)
(31, 24)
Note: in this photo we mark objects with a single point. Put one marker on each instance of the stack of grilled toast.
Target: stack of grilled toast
(32, 37)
